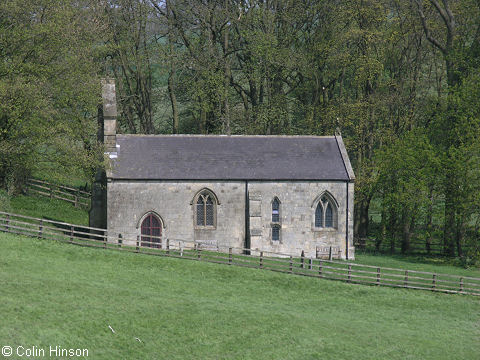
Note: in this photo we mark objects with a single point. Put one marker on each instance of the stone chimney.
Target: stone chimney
(107, 133)
(109, 115)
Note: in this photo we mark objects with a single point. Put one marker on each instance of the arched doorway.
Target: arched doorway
(152, 231)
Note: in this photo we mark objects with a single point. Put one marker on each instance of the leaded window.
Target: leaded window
(205, 210)
(328, 216)
(276, 219)
(201, 211)
(276, 232)
(208, 211)
(275, 210)
(319, 216)
(325, 213)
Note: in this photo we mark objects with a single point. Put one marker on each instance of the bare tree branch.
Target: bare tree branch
(428, 34)
(440, 10)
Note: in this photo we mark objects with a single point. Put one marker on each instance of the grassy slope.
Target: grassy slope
(412, 262)
(55, 209)
(40, 206)
(59, 294)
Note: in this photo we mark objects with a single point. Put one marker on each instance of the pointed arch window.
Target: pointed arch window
(326, 213)
(275, 210)
(151, 231)
(205, 209)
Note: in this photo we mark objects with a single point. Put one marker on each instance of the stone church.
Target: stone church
(282, 194)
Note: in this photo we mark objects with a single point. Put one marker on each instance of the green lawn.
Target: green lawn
(59, 294)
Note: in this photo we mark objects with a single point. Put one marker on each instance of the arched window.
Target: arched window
(276, 219)
(205, 209)
(328, 216)
(326, 213)
(152, 231)
(275, 210)
(319, 215)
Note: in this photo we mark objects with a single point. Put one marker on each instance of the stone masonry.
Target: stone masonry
(171, 201)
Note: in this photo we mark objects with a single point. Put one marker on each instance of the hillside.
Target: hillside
(59, 294)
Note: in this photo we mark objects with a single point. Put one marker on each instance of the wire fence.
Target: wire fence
(252, 258)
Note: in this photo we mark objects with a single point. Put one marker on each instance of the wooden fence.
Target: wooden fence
(72, 195)
(252, 258)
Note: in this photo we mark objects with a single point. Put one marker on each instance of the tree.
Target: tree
(48, 89)
(449, 30)
(405, 169)
(132, 46)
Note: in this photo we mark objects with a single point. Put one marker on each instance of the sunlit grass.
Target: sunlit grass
(416, 262)
(43, 207)
(61, 294)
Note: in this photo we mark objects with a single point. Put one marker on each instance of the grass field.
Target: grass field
(53, 209)
(65, 295)
(419, 263)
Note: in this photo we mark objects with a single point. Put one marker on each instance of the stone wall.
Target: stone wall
(129, 202)
(297, 214)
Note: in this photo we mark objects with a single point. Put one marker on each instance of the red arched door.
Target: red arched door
(152, 232)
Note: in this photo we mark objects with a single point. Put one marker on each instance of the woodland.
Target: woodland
(399, 79)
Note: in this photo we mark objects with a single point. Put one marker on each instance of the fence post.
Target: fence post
(229, 256)
(461, 284)
(199, 253)
(302, 260)
(378, 276)
(76, 201)
(405, 282)
(310, 264)
(168, 246)
(71, 234)
(51, 191)
(320, 268)
(261, 259)
(330, 257)
(434, 281)
(349, 273)
(105, 239)
(8, 223)
(40, 229)
(120, 240)
(290, 268)
(137, 248)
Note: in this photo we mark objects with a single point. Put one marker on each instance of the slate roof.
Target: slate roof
(220, 157)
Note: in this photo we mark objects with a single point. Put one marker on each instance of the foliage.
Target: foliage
(407, 167)
(48, 89)
(4, 201)
(399, 79)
